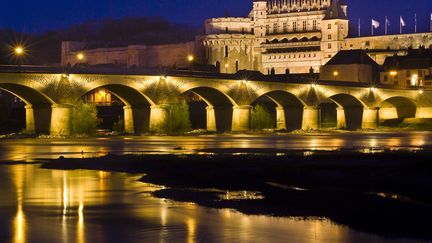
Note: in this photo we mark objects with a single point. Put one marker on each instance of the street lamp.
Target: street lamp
(190, 58)
(226, 68)
(19, 51)
(80, 56)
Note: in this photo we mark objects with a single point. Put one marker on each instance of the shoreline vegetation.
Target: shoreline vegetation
(109, 133)
(389, 193)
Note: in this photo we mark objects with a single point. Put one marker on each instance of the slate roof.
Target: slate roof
(335, 10)
(416, 59)
(351, 57)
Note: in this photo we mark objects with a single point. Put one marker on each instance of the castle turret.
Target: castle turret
(334, 29)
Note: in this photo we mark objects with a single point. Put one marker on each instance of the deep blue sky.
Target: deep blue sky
(41, 15)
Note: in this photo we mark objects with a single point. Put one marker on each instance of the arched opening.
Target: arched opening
(120, 107)
(341, 111)
(304, 39)
(26, 109)
(218, 67)
(283, 108)
(284, 40)
(395, 109)
(209, 109)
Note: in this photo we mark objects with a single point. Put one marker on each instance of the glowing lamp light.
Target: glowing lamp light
(421, 91)
(244, 81)
(372, 89)
(335, 73)
(19, 50)
(393, 73)
(80, 56)
(226, 65)
(190, 58)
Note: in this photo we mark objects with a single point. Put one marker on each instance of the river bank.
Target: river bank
(386, 193)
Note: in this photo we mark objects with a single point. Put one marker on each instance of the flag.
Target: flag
(402, 22)
(375, 23)
(387, 21)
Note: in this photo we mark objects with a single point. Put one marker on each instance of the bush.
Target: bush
(83, 119)
(261, 118)
(178, 121)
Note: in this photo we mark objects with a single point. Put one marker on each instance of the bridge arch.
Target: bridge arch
(397, 108)
(344, 111)
(218, 110)
(287, 108)
(136, 110)
(37, 109)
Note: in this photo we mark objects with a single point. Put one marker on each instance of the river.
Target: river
(38, 205)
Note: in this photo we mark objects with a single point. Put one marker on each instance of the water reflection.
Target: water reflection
(85, 206)
(28, 149)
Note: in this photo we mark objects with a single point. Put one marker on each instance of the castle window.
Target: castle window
(275, 28)
(329, 37)
(294, 26)
(268, 29)
(304, 25)
(285, 27)
(329, 45)
(226, 29)
(385, 78)
(226, 51)
(237, 66)
(329, 26)
(314, 25)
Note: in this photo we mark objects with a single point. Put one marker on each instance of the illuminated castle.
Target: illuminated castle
(294, 36)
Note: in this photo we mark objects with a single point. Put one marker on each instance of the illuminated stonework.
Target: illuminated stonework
(229, 100)
(294, 36)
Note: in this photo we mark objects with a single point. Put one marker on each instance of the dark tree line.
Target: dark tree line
(45, 48)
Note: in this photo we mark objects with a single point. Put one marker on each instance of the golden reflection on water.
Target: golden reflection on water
(19, 222)
(63, 199)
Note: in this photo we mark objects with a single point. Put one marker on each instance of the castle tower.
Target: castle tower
(334, 29)
(259, 18)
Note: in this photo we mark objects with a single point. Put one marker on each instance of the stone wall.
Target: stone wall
(171, 55)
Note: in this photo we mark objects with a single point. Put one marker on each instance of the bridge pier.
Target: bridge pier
(311, 118)
(211, 119)
(280, 118)
(159, 114)
(60, 120)
(387, 113)
(136, 119)
(340, 118)
(241, 120)
(37, 119)
(370, 118)
(424, 112)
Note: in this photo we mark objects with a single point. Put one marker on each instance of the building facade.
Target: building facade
(294, 36)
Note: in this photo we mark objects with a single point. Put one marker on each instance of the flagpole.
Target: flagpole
(385, 25)
(372, 27)
(359, 27)
(400, 25)
(415, 23)
(431, 22)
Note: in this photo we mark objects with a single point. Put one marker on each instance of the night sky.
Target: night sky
(42, 15)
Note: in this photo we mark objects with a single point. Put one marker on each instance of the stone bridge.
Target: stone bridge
(50, 94)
